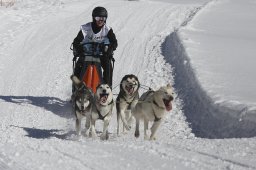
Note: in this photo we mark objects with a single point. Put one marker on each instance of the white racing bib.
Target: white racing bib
(94, 44)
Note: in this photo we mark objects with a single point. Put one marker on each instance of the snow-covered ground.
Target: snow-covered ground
(184, 42)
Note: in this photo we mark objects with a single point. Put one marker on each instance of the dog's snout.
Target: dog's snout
(171, 98)
(104, 91)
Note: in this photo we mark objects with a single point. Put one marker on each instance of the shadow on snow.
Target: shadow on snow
(45, 133)
(52, 104)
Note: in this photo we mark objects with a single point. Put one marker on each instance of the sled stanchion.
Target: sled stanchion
(71, 48)
(109, 73)
(112, 73)
(73, 67)
(113, 61)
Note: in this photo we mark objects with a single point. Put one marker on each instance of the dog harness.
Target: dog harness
(127, 102)
(156, 118)
(103, 117)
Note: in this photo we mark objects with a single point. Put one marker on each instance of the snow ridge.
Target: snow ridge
(208, 119)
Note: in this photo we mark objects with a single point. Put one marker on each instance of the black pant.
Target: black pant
(107, 70)
(105, 64)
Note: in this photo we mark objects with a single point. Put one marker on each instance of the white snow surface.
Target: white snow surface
(204, 48)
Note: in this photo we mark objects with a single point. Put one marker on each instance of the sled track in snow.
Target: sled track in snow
(207, 119)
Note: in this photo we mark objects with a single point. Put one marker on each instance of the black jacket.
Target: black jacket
(79, 38)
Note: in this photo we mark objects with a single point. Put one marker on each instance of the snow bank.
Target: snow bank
(193, 51)
(208, 118)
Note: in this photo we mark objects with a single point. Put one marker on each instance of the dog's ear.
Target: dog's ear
(169, 85)
(124, 78)
(98, 85)
(75, 80)
(110, 87)
(137, 79)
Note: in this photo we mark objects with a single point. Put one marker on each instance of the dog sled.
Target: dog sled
(91, 73)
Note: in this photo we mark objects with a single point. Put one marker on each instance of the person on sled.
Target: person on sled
(96, 31)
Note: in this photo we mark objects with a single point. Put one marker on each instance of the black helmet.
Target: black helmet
(99, 12)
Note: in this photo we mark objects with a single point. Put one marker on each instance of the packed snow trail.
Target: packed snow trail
(37, 124)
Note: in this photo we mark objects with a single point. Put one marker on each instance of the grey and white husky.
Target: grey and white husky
(102, 109)
(82, 99)
(152, 107)
(126, 101)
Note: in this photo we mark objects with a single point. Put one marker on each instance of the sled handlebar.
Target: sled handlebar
(84, 43)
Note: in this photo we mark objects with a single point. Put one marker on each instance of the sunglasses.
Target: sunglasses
(100, 18)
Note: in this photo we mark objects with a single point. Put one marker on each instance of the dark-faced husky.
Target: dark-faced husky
(126, 101)
(82, 99)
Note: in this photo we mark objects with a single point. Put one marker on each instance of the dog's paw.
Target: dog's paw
(104, 137)
(137, 134)
(152, 138)
(87, 133)
(94, 136)
(78, 133)
(79, 138)
(127, 127)
(118, 134)
(146, 137)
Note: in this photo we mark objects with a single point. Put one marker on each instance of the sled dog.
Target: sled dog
(152, 107)
(82, 99)
(126, 100)
(102, 109)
